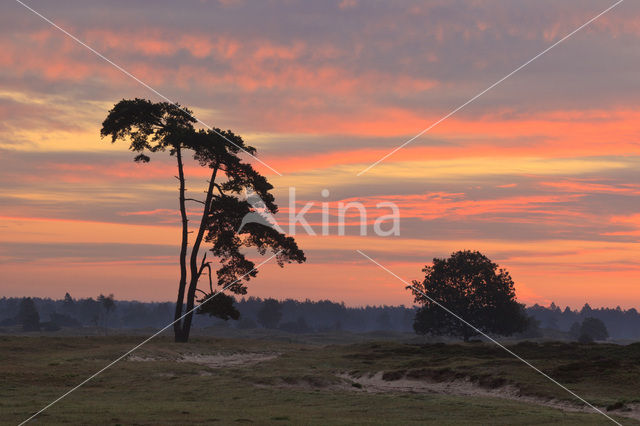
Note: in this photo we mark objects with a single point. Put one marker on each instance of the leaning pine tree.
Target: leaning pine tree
(152, 127)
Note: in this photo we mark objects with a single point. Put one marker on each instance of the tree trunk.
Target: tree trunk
(193, 261)
(177, 326)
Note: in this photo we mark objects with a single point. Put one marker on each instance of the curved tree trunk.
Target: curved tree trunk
(193, 261)
(177, 326)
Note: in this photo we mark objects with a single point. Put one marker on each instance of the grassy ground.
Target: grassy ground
(303, 384)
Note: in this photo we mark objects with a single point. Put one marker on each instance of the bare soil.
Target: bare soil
(376, 383)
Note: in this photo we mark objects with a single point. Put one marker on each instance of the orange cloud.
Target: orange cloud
(549, 135)
(252, 66)
(43, 229)
(581, 186)
(454, 206)
(155, 171)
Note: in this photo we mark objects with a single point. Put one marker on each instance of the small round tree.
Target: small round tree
(574, 331)
(28, 315)
(593, 329)
(473, 287)
(108, 304)
(270, 313)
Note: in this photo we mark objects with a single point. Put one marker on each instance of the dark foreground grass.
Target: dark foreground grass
(302, 385)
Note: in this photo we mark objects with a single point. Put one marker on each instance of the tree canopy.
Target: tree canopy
(28, 315)
(592, 329)
(152, 127)
(270, 314)
(473, 287)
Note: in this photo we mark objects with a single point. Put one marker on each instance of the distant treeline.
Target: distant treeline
(289, 315)
(294, 316)
(620, 323)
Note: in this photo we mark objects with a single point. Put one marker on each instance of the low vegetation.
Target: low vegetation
(311, 382)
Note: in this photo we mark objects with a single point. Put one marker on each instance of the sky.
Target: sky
(541, 173)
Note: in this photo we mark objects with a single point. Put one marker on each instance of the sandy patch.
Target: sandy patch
(375, 383)
(214, 360)
(228, 360)
(137, 358)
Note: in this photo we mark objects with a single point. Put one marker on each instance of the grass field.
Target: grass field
(267, 381)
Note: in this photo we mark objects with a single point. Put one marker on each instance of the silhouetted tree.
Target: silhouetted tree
(108, 304)
(298, 326)
(64, 320)
(270, 314)
(221, 306)
(593, 329)
(28, 315)
(473, 287)
(585, 338)
(574, 331)
(586, 309)
(532, 329)
(68, 305)
(383, 322)
(552, 322)
(246, 323)
(152, 127)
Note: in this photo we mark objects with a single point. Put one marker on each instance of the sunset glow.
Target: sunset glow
(541, 174)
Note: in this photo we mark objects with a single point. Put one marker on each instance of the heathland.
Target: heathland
(272, 377)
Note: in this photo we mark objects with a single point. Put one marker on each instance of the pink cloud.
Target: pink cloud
(582, 186)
